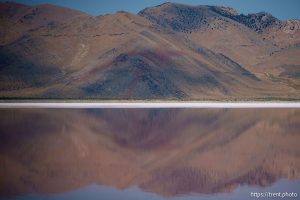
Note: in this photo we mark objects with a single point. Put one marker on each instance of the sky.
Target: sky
(282, 9)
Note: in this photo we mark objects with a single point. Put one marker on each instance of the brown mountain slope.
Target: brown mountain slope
(166, 151)
(224, 31)
(171, 51)
(16, 19)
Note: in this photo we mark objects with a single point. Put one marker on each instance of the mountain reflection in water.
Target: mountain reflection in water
(159, 152)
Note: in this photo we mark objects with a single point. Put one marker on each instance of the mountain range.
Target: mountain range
(167, 52)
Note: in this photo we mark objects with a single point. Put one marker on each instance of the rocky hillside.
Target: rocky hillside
(16, 19)
(171, 51)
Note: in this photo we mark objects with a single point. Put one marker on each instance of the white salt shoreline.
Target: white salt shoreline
(154, 105)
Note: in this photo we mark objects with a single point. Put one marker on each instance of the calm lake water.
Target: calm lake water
(96, 192)
(148, 153)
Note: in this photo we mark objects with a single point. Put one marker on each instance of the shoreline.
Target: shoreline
(169, 104)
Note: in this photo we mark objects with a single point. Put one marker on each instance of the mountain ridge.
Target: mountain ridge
(170, 51)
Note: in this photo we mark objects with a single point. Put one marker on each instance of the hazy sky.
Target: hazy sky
(282, 9)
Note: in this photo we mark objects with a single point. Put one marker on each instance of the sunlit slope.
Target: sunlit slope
(171, 51)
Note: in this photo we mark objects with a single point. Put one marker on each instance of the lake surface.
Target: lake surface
(96, 192)
(148, 153)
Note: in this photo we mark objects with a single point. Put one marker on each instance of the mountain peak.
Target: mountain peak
(178, 17)
(258, 21)
(168, 4)
(186, 18)
(225, 11)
